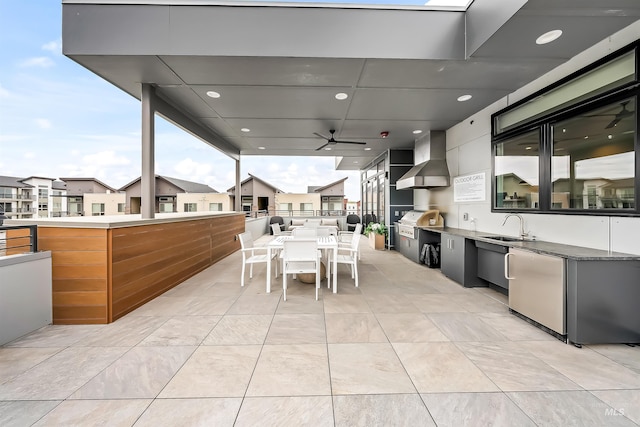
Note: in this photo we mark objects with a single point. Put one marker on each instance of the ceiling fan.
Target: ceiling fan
(617, 117)
(333, 141)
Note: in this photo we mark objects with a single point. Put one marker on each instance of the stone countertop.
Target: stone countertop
(548, 248)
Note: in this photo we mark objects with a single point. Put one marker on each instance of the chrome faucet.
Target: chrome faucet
(523, 234)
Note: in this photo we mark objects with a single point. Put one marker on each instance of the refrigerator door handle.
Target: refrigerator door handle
(506, 267)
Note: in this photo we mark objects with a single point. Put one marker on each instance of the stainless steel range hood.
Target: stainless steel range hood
(431, 170)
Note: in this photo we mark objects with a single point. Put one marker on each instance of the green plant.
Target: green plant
(377, 228)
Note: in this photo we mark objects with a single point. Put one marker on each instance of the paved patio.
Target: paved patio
(408, 347)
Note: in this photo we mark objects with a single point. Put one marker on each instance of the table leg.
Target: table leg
(335, 270)
(269, 269)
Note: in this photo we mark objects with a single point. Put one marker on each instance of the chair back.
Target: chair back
(312, 223)
(300, 250)
(305, 232)
(275, 228)
(324, 231)
(246, 240)
(355, 241)
(358, 229)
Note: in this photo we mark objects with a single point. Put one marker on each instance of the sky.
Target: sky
(59, 120)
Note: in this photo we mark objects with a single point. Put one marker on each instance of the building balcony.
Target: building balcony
(407, 347)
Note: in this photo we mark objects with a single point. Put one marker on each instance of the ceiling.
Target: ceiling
(277, 69)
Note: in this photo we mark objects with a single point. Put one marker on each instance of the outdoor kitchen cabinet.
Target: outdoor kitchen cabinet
(458, 260)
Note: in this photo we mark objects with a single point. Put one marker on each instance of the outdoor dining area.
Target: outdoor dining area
(407, 346)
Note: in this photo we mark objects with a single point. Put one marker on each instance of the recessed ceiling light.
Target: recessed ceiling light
(261, 148)
(548, 37)
(464, 98)
(586, 137)
(213, 94)
(341, 96)
(610, 136)
(327, 148)
(528, 148)
(245, 130)
(367, 148)
(417, 131)
(355, 161)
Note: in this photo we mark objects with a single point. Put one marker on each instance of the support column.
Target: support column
(147, 179)
(238, 195)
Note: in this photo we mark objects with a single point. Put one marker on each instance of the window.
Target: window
(190, 207)
(5, 207)
(165, 207)
(121, 207)
(97, 209)
(215, 206)
(43, 192)
(6, 193)
(306, 208)
(516, 168)
(577, 150)
(593, 164)
(285, 206)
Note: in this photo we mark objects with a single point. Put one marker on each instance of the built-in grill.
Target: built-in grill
(409, 238)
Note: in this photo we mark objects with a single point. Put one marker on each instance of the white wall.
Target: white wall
(469, 152)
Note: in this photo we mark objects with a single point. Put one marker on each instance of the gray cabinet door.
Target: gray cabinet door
(452, 257)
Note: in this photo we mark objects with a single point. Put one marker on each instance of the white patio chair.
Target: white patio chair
(350, 257)
(345, 237)
(277, 231)
(253, 254)
(300, 256)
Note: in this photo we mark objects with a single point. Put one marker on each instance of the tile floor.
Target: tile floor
(408, 347)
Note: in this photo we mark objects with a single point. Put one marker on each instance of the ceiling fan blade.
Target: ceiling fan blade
(322, 146)
(321, 136)
(351, 142)
(613, 123)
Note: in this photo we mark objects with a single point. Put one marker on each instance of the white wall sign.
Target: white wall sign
(469, 188)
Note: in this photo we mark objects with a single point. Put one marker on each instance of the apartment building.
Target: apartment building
(31, 197)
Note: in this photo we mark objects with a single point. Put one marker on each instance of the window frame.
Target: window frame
(545, 125)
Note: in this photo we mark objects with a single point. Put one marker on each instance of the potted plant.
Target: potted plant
(377, 234)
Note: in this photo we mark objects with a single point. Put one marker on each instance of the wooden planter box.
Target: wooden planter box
(376, 241)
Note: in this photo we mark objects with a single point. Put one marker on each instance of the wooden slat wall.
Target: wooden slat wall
(151, 259)
(79, 269)
(17, 241)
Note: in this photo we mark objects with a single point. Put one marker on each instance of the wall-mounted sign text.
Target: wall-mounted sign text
(469, 188)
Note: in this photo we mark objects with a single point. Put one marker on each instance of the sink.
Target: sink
(504, 238)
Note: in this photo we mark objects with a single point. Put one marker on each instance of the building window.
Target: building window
(6, 193)
(306, 208)
(516, 167)
(43, 192)
(165, 207)
(594, 160)
(215, 206)
(5, 207)
(190, 207)
(121, 207)
(97, 209)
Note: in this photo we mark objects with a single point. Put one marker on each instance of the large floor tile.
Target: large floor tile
(141, 373)
(339, 303)
(300, 304)
(181, 331)
(475, 409)
(55, 336)
(208, 306)
(60, 375)
(513, 368)
(436, 303)
(112, 413)
(568, 408)
(162, 306)
(585, 367)
(214, 371)
(255, 304)
(514, 328)
(310, 411)
(626, 355)
(297, 329)
(125, 332)
(218, 412)
(410, 327)
(291, 370)
(24, 413)
(240, 329)
(353, 328)
(478, 303)
(368, 368)
(441, 367)
(391, 303)
(465, 327)
(381, 410)
(14, 361)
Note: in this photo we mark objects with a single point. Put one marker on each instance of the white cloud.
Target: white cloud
(43, 123)
(54, 46)
(188, 167)
(38, 61)
(4, 93)
(29, 155)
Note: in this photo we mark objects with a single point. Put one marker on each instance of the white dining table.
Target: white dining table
(324, 242)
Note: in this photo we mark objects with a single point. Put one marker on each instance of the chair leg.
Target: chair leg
(317, 278)
(242, 276)
(284, 284)
(355, 269)
(251, 271)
